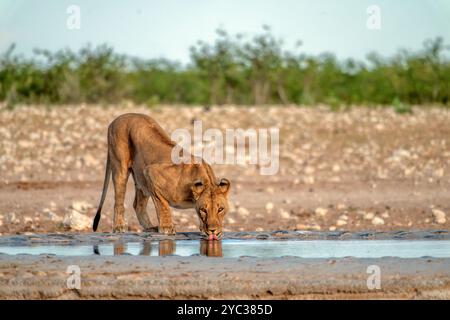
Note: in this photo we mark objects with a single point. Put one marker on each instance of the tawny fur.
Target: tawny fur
(137, 145)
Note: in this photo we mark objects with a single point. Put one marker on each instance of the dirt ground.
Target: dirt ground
(168, 276)
(362, 169)
(137, 277)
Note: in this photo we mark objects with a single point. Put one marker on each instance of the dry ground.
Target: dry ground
(352, 170)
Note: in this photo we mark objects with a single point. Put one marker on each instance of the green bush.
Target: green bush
(230, 70)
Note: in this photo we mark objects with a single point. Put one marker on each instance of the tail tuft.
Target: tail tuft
(97, 219)
(102, 199)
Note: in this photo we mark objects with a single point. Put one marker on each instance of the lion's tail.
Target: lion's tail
(102, 199)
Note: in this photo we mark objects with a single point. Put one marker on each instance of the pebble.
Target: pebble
(269, 206)
(270, 190)
(74, 220)
(12, 218)
(284, 214)
(243, 212)
(377, 221)
(368, 216)
(321, 212)
(81, 206)
(52, 216)
(439, 216)
(230, 220)
(385, 215)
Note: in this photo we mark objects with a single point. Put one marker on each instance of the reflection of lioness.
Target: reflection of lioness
(138, 145)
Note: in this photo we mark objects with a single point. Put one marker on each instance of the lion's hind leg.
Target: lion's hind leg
(140, 206)
(120, 178)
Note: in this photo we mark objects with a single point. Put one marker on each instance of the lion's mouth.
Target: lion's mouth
(213, 236)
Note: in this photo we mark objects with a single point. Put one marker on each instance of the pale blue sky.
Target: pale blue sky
(167, 28)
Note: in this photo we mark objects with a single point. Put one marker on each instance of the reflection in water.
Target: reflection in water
(119, 248)
(233, 248)
(146, 249)
(211, 248)
(165, 248)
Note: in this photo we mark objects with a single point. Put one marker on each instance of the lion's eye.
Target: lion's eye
(220, 209)
(203, 211)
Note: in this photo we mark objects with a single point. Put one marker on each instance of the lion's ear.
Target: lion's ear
(197, 188)
(224, 186)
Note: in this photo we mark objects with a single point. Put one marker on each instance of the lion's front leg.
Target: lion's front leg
(164, 215)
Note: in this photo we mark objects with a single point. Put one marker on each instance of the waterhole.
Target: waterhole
(255, 248)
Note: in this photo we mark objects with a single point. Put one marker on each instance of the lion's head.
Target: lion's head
(211, 204)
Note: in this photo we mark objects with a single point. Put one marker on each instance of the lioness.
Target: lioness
(138, 145)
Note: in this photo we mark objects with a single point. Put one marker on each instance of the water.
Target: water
(255, 248)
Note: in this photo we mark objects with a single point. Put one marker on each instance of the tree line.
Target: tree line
(233, 69)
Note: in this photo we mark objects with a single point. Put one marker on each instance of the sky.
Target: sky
(167, 28)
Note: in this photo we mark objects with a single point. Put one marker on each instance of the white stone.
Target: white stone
(385, 215)
(81, 206)
(284, 214)
(243, 212)
(377, 221)
(74, 220)
(321, 212)
(230, 220)
(439, 216)
(269, 206)
(369, 215)
(28, 220)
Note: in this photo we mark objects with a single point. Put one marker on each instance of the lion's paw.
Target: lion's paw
(120, 229)
(169, 230)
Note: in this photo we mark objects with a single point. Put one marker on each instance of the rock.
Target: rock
(230, 220)
(385, 215)
(336, 168)
(309, 170)
(81, 206)
(74, 220)
(90, 160)
(321, 212)
(52, 216)
(439, 216)
(243, 212)
(284, 214)
(368, 216)
(269, 206)
(308, 180)
(313, 227)
(28, 220)
(270, 190)
(332, 228)
(341, 223)
(12, 218)
(377, 221)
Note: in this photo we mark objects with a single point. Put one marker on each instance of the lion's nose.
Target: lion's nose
(212, 230)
